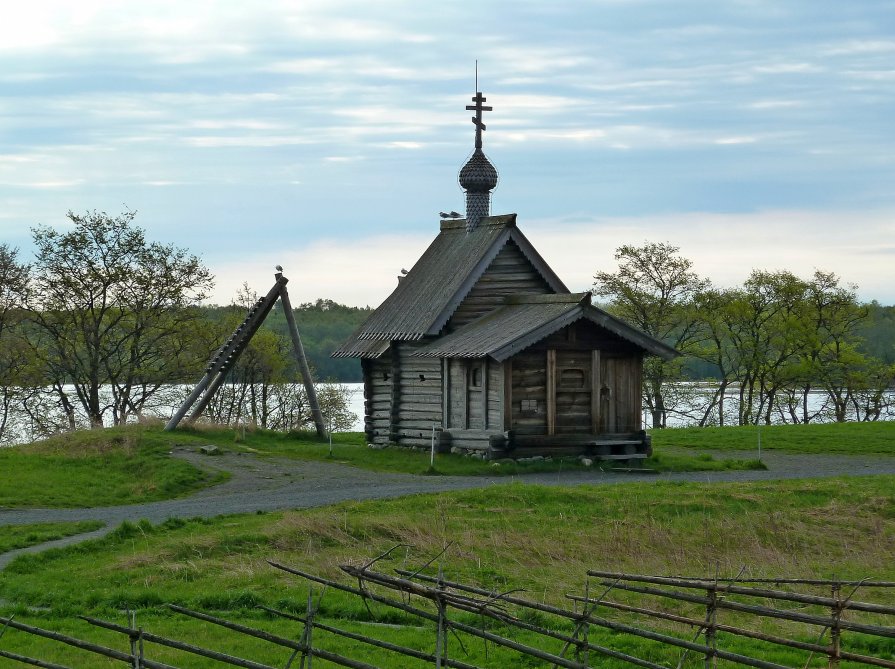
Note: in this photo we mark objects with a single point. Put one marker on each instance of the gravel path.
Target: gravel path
(271, 484)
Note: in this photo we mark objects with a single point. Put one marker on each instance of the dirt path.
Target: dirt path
(271, 484)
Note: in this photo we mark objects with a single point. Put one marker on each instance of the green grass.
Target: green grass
(350, 449)
(540, 539)
(96, 468)
(845, 438)
(131, 464)
(13, 537)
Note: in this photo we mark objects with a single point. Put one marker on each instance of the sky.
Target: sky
(326, 135)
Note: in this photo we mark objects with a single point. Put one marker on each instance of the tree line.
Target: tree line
(768, 345)
(104, 327)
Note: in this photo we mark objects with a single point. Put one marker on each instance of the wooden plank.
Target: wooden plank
(412, 380)
(428, 409)
(421, 418)
(445, 392)
(463, 390)
(551, 391)
(508, 394)
(638, 390)
(595, 386)
(421, 398)
(473, 434)
(395, 390)
(421, 436)
(485, 393)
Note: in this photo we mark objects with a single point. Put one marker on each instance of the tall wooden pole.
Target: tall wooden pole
(302, 360)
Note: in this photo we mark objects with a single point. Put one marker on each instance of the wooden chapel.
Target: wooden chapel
(483, 345)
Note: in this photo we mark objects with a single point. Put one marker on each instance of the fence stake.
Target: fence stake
(711, 613)
(585, 627)
(439, 630)
(309, 628)
(132, 637)
(432, 453)
(835, 628)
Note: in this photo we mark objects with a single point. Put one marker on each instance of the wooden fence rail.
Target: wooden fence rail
(451, 608)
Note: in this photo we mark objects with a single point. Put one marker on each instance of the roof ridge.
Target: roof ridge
(498, 220)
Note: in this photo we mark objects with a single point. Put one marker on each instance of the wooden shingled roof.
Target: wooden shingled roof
(428, 295)
(525, 320)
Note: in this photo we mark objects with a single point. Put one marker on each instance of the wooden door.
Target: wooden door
(618, 387)
(527, 393)
(572, 392)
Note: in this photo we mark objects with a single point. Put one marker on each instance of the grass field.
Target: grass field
(96, 468)
(855, 438)
(539, 539)
(350, 449)
(132, 464)
(13, 537)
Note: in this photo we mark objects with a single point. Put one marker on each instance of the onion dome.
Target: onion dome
(478, 175)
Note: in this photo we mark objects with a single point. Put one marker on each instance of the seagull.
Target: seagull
(279, 268)
(444, 214)
(454, 214)
(403, 271)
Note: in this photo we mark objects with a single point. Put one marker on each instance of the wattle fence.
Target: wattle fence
(677, 622)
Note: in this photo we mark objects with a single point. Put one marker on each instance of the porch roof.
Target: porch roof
(525, 320)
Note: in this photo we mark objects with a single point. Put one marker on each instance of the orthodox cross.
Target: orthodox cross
(477, 119)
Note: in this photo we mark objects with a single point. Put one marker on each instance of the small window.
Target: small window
(422, 377)
(571, 378)
(475, 377)
(529, 406)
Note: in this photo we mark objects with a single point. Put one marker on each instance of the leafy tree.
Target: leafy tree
(878, 332)
(831, 323)
(782, 338)
(112, 308)
(654, 289)
(15, 363)
(717, 314)
(768, 336)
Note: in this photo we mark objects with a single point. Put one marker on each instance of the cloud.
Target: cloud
(358, 272)
(788, 68)
(776, 104)
(727, 247)
(723, 247)
(736, 140)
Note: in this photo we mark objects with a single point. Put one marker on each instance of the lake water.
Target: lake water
(686, 410)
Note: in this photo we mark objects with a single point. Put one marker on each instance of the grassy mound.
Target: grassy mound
(106, 467)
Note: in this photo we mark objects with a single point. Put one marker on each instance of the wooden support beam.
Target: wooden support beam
(595, 385)
(551, 391)
(485, 373)
(227, 356)
(507, 394)
(303, 366)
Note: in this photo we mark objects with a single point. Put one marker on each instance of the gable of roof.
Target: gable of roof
(525, 320)
(432, 290)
